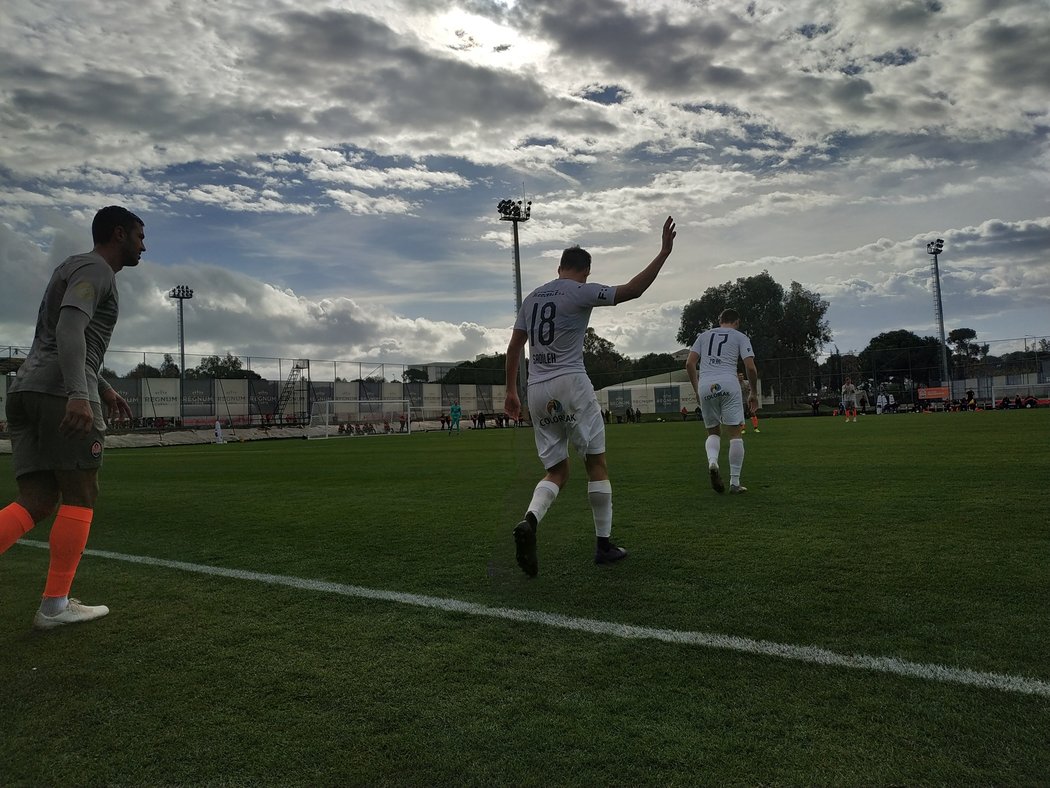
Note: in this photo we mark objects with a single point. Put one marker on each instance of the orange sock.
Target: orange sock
(15, 522)
(754, 422)
(69, 535)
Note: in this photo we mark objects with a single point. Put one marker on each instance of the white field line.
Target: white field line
(809, 654)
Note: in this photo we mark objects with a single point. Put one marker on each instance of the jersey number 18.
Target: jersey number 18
(545, 323)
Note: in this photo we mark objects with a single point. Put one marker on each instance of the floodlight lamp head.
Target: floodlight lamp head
(180, 292)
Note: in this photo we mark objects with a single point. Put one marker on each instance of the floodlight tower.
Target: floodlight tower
(515, 212)
(181, 293)
(935, 248)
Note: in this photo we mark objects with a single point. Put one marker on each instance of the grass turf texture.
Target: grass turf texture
(914, 536)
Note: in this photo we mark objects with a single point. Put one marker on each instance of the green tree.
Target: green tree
(603, 363)
(901, 355)
(967, 353)
(144, 370)
(168, 367)
(485, 370)
(415, 375)
(653, 365)
(832, 373)
(228, 368)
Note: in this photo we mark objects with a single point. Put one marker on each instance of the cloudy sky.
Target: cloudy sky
(325, 174)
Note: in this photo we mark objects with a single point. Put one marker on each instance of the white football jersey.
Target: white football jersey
(555, 316)
(720, 349)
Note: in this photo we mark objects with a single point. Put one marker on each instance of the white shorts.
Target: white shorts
(566, 410)
(721, 403)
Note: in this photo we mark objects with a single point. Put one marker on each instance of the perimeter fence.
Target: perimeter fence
(242, 389)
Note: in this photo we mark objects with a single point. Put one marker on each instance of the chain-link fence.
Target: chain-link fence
(256, 389)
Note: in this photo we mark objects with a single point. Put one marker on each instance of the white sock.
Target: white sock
(53, 605)
(736, 460)
(542, 498)
(713, 446)
(600, 496)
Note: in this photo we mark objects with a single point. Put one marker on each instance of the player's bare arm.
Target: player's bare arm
(690, 368)
(641, 281)
(752, 378)
(511, 403)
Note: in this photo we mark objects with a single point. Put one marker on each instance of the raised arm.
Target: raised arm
(641, 281)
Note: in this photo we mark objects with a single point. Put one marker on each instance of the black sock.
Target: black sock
(603, 543)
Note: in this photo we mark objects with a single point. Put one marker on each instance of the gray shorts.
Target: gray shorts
(36, 443)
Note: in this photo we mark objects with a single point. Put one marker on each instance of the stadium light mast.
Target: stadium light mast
(935, 248)
(181, 293)
(515, 212)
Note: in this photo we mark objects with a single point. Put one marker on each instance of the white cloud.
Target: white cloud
(350, 157)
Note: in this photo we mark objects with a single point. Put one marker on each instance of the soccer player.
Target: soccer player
(54, 408)
(745, 396)
(455, 413)
(712, 371)
(562, 403)
(849, 399)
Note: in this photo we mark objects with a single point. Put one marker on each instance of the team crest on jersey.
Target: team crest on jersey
(96, 449)
(85, 291)
(715, 391)
(556, 414)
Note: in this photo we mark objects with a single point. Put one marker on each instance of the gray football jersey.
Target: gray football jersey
(555, 316)
(86, 282)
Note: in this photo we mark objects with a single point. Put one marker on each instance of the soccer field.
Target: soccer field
(873, 611)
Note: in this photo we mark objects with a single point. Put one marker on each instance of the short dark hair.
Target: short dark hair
(575, 259)
(728, 316)
(109, 219)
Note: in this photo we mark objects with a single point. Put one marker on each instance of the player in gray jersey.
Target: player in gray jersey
(54, 409)
(712, 371)
(562, 403)
(849, 399)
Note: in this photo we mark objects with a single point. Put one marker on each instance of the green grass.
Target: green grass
(921, 537)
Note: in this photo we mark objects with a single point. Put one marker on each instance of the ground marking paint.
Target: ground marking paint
(809, 654)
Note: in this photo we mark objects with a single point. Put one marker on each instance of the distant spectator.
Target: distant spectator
(1017, 402)
(815, 404)
(1031, 402)
(880, 403)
